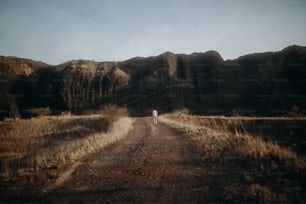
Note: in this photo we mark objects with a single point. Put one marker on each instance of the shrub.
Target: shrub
(295, 111)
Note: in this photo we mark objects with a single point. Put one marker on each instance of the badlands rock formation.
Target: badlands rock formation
(271, 83)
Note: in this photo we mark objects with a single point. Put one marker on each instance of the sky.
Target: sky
(55, 31)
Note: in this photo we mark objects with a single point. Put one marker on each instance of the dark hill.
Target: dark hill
(269, 83)
(12, 70)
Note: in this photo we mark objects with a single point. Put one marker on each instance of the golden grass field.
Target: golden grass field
(268, 151)
(53, 141)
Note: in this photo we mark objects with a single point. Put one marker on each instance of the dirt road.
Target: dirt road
(159, 164)
(153, 164)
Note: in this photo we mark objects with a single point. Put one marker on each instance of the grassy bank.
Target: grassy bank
(264, 168)
(53, 141)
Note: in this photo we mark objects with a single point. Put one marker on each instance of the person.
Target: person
(154, 115)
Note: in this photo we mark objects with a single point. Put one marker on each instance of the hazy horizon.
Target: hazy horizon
(115, 30)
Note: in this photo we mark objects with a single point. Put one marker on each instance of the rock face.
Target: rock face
(74, 85)
(83, 84)
(11, 71)
(257, 84)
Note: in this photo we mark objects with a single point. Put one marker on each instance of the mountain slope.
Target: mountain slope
(269, 83)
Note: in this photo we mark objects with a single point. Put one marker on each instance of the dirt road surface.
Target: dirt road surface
(154, 164)
(159, 164)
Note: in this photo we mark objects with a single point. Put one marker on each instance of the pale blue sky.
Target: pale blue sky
(55, 31)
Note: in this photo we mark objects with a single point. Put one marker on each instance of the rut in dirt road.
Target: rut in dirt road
(152, 164)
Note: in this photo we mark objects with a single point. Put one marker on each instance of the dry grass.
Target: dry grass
(219, 133)
(266, 171)
(265, 194)
(42, 111)
(51, 141)
(112, 112)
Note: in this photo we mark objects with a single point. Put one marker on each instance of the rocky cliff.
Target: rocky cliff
(258, 84)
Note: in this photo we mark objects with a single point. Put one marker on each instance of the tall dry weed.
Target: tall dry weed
(56, 140)
(218, 133)
(267, 172)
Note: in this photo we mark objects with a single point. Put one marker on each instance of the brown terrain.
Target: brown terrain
(230, 131)
(152, 164)
(172, 162)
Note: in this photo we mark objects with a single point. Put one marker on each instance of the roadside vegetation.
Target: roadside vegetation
(269, 163)
(49, 142)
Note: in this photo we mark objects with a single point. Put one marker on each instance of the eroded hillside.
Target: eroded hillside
(269, 83)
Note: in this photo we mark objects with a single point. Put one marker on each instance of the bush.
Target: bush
(295, 111)
(42, 111)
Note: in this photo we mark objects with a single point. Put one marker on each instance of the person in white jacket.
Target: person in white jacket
(154, 115)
